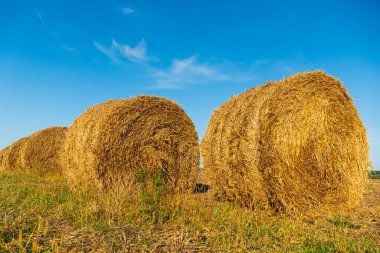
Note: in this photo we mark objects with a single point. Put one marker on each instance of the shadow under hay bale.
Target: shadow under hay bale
(296, 145)
(109, 143)
(42, 150)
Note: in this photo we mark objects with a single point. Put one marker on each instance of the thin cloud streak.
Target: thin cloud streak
(127, 10)
(69, 48)
(41, 19)
(187, 72)
(55, 35)
(135, 54)
(110, 53)
(119, 52)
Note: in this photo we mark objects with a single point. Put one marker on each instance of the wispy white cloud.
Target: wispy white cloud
(136, 54)
(127, 10)
(69, 48)
(41, 19)
(187, 71)
(193, 71)
(118, 52)
(190, 65)
(284, 67)
(109, 52)
(180, 73)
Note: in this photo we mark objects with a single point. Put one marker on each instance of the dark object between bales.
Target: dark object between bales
(201, 188)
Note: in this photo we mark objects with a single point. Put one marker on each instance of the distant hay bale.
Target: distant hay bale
(110, 143)
(42, 150)
(296, 145)
(12, 156)
(4, 154)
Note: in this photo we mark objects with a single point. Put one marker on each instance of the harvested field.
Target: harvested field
(369, 211)
(44, 214)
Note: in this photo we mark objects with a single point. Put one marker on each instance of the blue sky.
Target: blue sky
(58, 58)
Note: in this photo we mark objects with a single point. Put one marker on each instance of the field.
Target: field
(41, 214)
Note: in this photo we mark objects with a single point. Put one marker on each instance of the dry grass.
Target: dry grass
(44, 214)
(296, 145)
(110, 143)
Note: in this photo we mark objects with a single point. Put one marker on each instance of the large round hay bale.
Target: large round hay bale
(42, 150)
(12, 154)
(296, 145)
(110, 143)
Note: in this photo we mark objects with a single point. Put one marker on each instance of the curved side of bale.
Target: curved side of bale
(14, 158)
(110, 143)
(295, 145)
(42, 150)
(4, 154)
(230, 149)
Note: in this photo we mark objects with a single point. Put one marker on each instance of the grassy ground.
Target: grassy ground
(44, 215)
(375, 175)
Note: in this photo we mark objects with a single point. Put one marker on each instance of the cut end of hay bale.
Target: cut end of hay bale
(110, 144)
(296, 145)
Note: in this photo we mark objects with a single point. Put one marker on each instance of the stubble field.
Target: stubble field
(41, 214)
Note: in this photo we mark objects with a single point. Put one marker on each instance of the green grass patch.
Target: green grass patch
(374, 174)
(343, 222)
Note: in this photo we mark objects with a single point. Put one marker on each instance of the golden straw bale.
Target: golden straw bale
(12, 155)
(110, 143)
(42, 150)
(296, 145)
(4, 154)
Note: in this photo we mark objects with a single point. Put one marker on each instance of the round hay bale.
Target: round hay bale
(13, 159)
(42, 150)
(296, 145)
(110, 143)
(4, 154)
